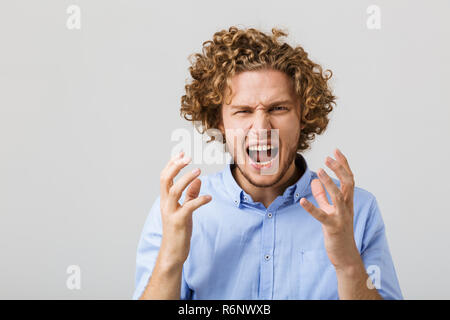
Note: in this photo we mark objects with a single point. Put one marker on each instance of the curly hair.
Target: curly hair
(238, 50)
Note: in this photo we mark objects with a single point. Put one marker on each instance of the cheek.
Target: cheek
(235, 129)
(237, 123)
(235, 140)
(289, 131)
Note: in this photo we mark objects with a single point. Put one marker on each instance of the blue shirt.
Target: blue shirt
(243, 250)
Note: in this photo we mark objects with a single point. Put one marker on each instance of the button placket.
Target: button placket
(268, 243)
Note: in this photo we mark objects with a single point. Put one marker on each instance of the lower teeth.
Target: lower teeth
(264, 163)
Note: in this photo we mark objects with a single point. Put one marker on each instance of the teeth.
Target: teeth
(264, 163)
(260, 148)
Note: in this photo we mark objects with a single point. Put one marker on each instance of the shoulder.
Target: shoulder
(368, 221)
(211, 183)
(365, 205)
(362, 198)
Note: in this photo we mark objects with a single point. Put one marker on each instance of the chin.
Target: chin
(263, 181)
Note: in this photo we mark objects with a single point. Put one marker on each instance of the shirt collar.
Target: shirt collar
(292, 193)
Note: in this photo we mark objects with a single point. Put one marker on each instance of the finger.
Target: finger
(193, 190)
(317, 213)
(177, 189)
(343, 160)
(163, 187)
(346, 179)
(172, 168)
(194, 204)
(336, 195)
(319, 194)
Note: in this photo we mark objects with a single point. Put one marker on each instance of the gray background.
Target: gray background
(86, 118)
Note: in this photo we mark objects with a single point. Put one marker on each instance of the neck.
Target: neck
(267, 195)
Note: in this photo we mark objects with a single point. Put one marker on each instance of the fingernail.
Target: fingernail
(196, 171)
(321, 172)
(180, 154)
(304, 201)
(208, 197)
(186, 160)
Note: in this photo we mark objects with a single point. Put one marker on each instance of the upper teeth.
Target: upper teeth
(260, 148)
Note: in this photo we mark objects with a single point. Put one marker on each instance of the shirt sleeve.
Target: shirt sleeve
(147, 252)
(376, 256)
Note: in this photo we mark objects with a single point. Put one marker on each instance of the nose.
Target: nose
(261, 125)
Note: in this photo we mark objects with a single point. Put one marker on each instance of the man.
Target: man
(266, 227)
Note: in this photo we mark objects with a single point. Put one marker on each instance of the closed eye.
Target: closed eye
(272, 109)
(278, 108)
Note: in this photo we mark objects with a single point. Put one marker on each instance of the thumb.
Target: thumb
(193, 190)
(317, 213)
(194, 204)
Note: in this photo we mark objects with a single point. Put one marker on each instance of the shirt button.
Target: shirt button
(267, 257)
(297, 194)
(235, 201)
(269, 214)
(245, 198)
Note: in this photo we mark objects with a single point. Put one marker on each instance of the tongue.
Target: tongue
(264, 156)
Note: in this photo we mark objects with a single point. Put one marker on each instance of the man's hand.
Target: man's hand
(176, 218)
(165, 282)
(337, 226)
(336, 219)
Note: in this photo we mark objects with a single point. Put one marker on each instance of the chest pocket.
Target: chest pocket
(317, 275)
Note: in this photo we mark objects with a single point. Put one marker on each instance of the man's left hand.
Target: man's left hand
(336, 219)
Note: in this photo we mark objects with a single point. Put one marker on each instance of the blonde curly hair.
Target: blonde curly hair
(237, 50)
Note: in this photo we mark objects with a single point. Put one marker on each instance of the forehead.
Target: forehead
(262, 86)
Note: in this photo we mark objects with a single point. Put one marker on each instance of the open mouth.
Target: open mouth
(262, 155)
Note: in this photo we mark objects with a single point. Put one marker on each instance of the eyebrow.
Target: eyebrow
(270, 105)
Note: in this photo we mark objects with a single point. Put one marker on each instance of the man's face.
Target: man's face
(264, 103)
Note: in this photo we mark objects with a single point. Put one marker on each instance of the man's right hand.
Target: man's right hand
(176, 218)
(165, 281)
